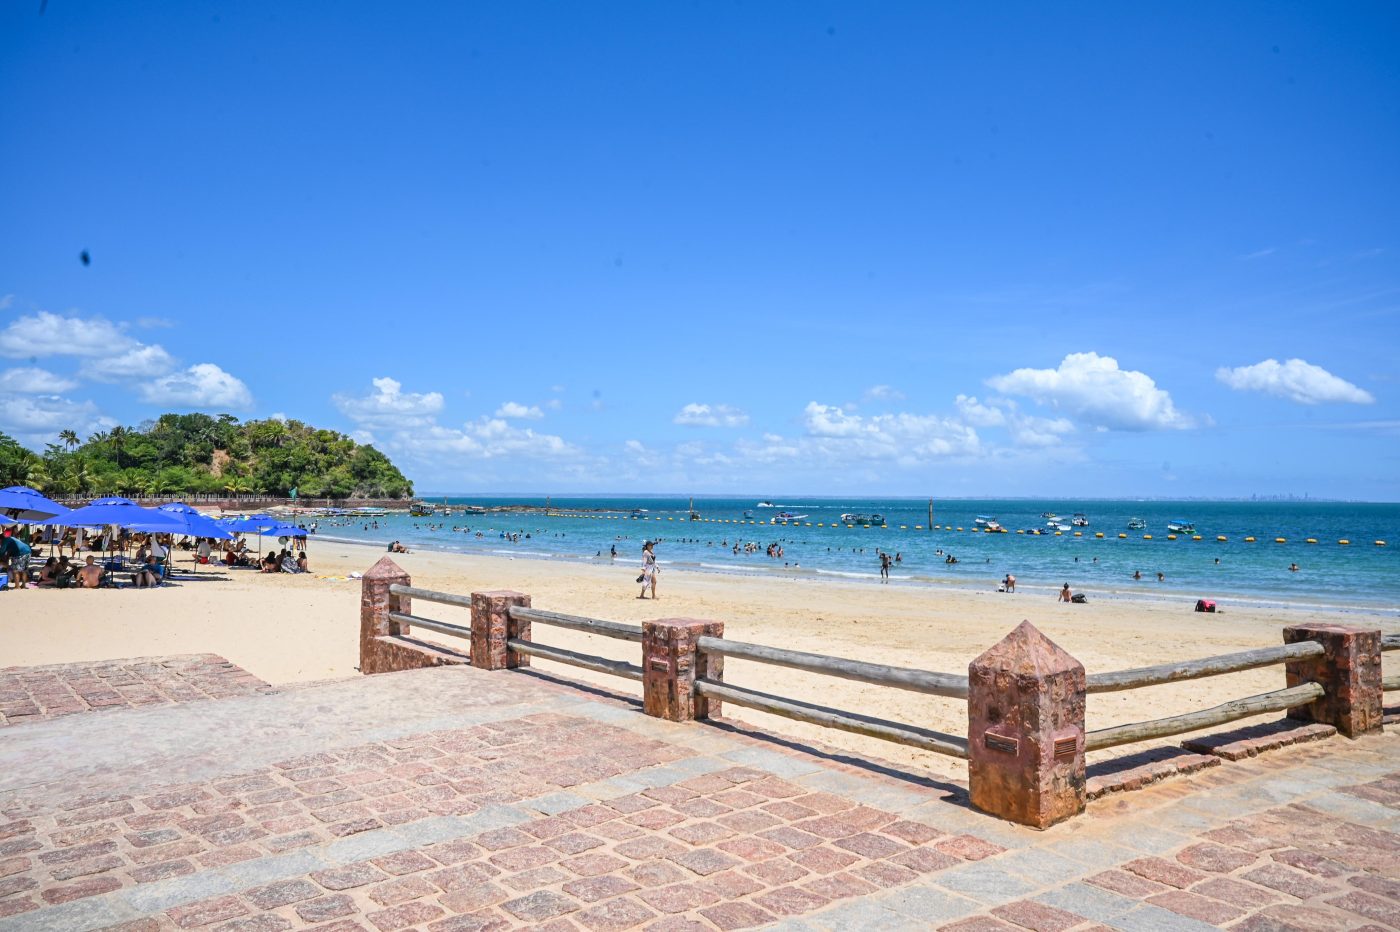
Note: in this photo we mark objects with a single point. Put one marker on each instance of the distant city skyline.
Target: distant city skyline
(910, 250)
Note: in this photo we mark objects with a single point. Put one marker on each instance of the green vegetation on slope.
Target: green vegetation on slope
(184, 453)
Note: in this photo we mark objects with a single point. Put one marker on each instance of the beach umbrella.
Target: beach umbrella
(253, 524)
(24, 504)
(121, 512)
(194, 523)
(286, 530)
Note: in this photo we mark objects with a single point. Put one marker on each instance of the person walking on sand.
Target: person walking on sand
(649, 570)
(884, 567)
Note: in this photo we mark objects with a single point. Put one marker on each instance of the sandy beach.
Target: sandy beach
(290, 629)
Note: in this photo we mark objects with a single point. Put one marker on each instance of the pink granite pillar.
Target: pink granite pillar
(1349, 670)
(492, 626)
(376, 602)
(671, 664)
(1025, 734)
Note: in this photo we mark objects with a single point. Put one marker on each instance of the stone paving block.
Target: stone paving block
(987, 883)
(1089, 901)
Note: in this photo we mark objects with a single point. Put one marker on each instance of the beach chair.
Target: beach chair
(4, 582)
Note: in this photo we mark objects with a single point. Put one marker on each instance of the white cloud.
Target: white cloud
(388, 406)
(515, 410)
(905, 438)
(36, 419)
(139, 362)
(1260, 253)
(703, 415)
(1093, 389)
(32, 381)
(203, 385)
(978, 414)
(1295, 380)
(485, 438)
(48, 334)
(883, 393)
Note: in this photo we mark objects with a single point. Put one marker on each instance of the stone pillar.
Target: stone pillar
(376, 602)
(671, 664)
(1025, 734)
(1349, 669)
(492, 626)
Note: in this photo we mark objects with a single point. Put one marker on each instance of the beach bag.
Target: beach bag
(1205, 605)
(1079, 598)
(641, 577)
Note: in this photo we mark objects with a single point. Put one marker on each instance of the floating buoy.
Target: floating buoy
(1344, 542)
(1099, 534)
(1078, 533)
(1196, 537)
(1171, 537)
(1147, 537)
(1280, 540)
(1059, 533)
(1221, 538)
(918, 527)
(1380, 543)
(1122, 536)
(1312, 540)
(1249, 540)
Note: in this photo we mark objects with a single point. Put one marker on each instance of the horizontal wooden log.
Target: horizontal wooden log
(920, 681)
(1390, 683)
(1390, 642)
(574, 659)
(1205, 718)
(611, 629)
(853, 722)
(442, 627)
(1195, 669)
(432, 595)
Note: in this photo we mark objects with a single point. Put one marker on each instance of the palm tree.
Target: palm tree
(117, 440)
(69, 438)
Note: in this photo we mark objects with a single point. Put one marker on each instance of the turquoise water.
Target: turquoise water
(1359, 576)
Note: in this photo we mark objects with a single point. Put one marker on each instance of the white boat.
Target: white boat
(1049, 514)
(1080, 519)
(1057, 525)
(1136, 524)
(981, 520)
(1181, 526)
(862, 519)
(785, 517)
(992, 527)
(765, 505)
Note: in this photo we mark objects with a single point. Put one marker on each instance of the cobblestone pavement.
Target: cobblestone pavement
(454, 799)
(30, 694)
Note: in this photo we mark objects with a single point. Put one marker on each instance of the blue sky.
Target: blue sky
(764, 248)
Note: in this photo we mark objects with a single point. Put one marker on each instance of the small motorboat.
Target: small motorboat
(638, 512)
(992, 527)
(1080, 519)
(862, 519)
(1136, 524)
(1181, 526)
(765, 505)
(1057, 525)
(982, 520)
(785, 517)
(420, 510)
(1049, 514)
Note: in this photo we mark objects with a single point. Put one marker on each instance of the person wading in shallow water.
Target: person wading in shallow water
(649, 571)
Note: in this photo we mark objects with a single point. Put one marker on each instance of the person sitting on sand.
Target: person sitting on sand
(1065, 595)
(47, 572)
(302, 566)
(148, 574)
(270, 563)
(289, 562)
(64, 573)
(90, 576)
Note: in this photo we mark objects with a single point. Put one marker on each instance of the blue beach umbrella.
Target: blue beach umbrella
(24, 504)
(286, 530)
(195, 524)
(122, 512)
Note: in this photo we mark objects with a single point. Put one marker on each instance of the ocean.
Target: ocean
(1360, 576)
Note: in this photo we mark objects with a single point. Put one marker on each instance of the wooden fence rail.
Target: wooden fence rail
(922, 681)
(854, 722)
(1195, 669)
(1390, 683)
(1231, 711)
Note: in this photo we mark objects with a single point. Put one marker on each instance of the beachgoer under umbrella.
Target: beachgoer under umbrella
(16, 553)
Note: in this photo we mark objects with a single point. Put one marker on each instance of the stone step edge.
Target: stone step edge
(1269, 737)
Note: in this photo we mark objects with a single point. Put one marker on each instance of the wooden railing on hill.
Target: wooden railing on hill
(1026, 698)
